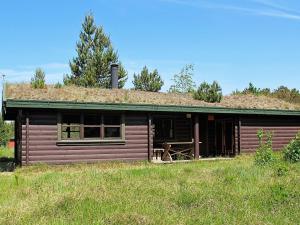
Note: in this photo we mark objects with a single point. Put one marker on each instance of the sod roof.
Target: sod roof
(96, 95)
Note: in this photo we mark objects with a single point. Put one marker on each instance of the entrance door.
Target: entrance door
(224, 137)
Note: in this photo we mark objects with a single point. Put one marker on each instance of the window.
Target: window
(112, 126)
(70, 127)
(164, 129)
(90, 127)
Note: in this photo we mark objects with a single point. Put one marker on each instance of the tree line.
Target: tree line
(95, 54)
(291, 95)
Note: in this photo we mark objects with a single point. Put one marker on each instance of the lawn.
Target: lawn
(205, 192)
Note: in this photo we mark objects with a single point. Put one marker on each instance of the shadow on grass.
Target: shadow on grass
(7, 164)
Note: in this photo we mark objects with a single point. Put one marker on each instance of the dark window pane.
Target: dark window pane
(70, 119)
(164, 129)
(168, 128)
(112, 120)
(70, 133)
(92, 132)
(112, 132)
(92, 119)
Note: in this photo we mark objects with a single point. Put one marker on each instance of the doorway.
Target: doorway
(221, 137)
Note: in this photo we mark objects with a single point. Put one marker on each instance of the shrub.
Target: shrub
(291, 152)
(209, 92)
(281, 170)
(38, 81)
(58, 85)
(264, 154)
(6, 131)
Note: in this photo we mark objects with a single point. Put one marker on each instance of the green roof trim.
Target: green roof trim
(39, 104)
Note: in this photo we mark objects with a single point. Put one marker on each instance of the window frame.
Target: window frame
(162, 120)
(95, 140)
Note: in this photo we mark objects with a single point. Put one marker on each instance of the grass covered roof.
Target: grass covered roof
(97, 95)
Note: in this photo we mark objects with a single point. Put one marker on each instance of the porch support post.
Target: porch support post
(196, 137)
(18, 138)
(27, 138)
(150, 136)
(239, 135)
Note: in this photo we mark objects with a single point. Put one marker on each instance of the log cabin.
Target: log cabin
(76, 124)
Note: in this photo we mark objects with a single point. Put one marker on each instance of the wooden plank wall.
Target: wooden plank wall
(284, 129)
(42, 138)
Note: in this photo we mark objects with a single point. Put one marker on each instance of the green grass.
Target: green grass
(211, 192)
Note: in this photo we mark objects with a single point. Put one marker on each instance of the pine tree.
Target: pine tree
(208, 92)
(38, 81)
(95, 54)
(147, 81)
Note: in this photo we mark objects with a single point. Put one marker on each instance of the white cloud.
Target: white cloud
(276, 5)
(259, 8)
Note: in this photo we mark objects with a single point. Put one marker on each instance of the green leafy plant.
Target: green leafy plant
(291, 152)
(264, 154)
(6, 131)
(38, 81)
(183, 81)
(281, 170)
(208, 92)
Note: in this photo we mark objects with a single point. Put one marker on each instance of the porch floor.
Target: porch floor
(186, 161)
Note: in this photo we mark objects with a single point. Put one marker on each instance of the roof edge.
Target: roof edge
(40, 104)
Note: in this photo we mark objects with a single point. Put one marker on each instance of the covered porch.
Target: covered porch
(186, 136)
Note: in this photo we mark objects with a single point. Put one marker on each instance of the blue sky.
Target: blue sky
(231, 41)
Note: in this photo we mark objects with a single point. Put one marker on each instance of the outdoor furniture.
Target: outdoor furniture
(157, 152)
(178, 151)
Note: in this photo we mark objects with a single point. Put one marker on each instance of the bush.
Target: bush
(291, 152)
(209, 92)
(6, 131)
(38, 81)
(264, 154)
(58, 85)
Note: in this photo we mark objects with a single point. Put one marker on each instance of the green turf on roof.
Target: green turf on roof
(96, 95)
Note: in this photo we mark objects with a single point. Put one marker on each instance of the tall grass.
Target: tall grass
(217, 192)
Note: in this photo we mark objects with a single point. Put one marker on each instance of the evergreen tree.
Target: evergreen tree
(147, 81)
(95, 54)
(183, 82)
(38, 81)
(209, 92)
(251, 89)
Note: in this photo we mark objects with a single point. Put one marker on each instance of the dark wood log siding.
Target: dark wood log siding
(42, 147)
(284, 129)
